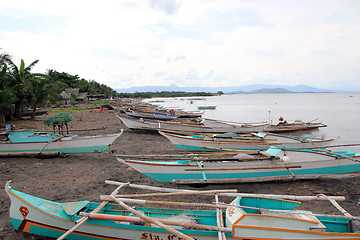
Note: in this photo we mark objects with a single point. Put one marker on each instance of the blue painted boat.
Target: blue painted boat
(274, 164)
(244, 218)
(206, 107)
(152, 116)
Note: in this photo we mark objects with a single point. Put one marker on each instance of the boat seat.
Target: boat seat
(300, 214)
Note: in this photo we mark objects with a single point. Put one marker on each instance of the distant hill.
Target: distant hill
(270, 90)
(245, 89)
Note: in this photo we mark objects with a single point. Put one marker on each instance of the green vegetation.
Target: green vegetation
(70, 110)
(21, 88)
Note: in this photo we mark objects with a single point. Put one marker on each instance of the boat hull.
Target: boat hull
(64, 145)
(46, 218)
(212, 144)
(300, 164)
(55, 222)
(208, 126)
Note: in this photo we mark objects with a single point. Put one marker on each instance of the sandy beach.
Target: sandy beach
(81, 176)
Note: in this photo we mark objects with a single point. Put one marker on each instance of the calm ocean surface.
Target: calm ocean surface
(339, 111)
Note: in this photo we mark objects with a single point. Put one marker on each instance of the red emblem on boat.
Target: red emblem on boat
(231, 211)
(24, 211)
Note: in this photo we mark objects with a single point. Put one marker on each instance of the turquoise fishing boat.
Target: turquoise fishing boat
(275, 164)
(25, 141)
(248, 142)
(244, 218)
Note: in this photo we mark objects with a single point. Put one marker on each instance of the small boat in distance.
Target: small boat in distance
(246, 217)
(206, 107)
(292, 126)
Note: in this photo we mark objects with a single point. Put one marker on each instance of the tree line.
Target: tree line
(163, 94)
(21, 88)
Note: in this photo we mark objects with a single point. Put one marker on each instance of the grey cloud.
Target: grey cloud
(175, 58)
(168, 6)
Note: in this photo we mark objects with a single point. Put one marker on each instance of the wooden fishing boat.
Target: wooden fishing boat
(274, 164)
(244, 218)
(255, 141)
(186, 114)
(292, 126)
(206, 125)
(22, 141)
(152, 116)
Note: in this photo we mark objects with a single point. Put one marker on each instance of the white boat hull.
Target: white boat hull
(64, 145)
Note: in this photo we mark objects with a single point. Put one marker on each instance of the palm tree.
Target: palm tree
(18, 78)
(37, 89)
(7, 94)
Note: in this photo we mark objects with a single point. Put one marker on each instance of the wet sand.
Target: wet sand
(81, 176)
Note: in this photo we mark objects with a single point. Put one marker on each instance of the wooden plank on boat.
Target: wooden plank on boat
(178, 193)
(265, 179)
(82, 220)
(151, 220)
(219, 219)
(243, 168)
(288, 197)
(164, 221)
(166, 203)
(52, 140)
(237, 159)
(339, 155)
(230, 150)
(30, 154)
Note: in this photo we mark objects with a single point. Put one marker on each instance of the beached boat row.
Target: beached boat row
(235, 157)
(203, 125)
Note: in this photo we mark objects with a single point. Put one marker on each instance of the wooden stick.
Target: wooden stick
(229, 150)
(342, 210)
(243, 168)
(84, 219)
(219, 219)
(144, 187)
(237, 159)
(72, 130)
(52, 140)
(164, 221)
(149, 219)
(167, 203)
(264, 179)
(320, 197)
(177, 193)
(339, 155)
(288, 197)
(174, 155)
(30, 154)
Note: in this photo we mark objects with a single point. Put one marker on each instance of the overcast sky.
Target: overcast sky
(188, 42)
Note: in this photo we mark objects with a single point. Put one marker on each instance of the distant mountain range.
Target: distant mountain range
(246, 89)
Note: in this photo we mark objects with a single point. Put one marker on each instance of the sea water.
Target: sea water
(339, 111)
